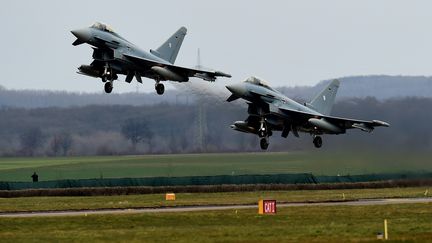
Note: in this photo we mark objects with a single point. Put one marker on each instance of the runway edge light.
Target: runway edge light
(267, 206)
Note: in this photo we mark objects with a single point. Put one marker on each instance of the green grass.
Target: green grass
(300, 224)
(317, 162)
(158, 200)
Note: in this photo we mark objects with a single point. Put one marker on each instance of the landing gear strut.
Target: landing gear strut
(317, 141)
(108, 77)
(160, 88)
(264, 143)
(264, 134)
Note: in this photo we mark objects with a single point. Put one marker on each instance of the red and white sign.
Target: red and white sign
(267, 207)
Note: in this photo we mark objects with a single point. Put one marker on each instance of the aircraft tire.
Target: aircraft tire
(160, 89)
(264, 143)
(108, 87)
(317, 142)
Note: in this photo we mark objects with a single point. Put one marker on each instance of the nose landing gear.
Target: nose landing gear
(108, 78)
(264, 143)
(108, 87)
(264, 134)
(160, 88)
(317, 141)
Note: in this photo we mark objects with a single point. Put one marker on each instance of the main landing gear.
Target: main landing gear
(317, 141)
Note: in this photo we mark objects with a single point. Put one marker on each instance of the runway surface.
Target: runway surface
(212, 208)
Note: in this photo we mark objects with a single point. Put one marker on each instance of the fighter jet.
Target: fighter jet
(114, 55)
(269, 110)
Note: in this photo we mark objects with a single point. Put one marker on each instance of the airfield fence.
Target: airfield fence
(274, 179)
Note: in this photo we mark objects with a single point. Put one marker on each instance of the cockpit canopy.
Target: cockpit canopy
(103, 27)
(257, 81)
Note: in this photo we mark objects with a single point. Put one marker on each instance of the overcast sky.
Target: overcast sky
(285, 42)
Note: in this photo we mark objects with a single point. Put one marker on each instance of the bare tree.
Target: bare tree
(55, 144)
(31, 139)
(136, 130)
(61, 142)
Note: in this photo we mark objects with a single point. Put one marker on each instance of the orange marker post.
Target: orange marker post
(170, 197)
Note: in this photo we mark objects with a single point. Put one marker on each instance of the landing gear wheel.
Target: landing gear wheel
(264, 143)
(317, 142)
(108, 87)
(160, 89)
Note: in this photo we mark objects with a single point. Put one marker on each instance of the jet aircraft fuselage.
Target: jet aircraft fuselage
(114, 55)
(270, 110)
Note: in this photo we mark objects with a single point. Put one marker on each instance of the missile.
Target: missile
(89, 71)
(243, 127)
(380, 123)
(205, 77)
(168, 74)
(212, 77)
(368, 128)
(222, 74)
(325, 125)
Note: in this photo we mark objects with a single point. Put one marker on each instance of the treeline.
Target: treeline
(379, 86)
(196, 127)
(47, 98)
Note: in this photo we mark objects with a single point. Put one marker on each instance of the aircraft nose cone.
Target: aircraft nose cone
(237, 89)
(81, 34)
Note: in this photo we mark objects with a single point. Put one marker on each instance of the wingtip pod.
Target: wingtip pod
(381, 123)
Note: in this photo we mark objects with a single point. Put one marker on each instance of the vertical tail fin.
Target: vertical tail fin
(170, 48)
(323, 102)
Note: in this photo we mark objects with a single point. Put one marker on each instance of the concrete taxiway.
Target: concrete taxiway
(365, 202)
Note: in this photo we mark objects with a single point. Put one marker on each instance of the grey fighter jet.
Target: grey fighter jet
(269, 110)
(114, 55)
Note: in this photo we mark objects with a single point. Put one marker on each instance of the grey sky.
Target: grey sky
(285, 42)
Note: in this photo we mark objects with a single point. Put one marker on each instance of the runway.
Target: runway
(366, 202)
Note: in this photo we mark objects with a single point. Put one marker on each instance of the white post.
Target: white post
(385, 230)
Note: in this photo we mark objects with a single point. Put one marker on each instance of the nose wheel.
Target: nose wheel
(160, 88)
(108, 87)
(317, 141)
(264, 143)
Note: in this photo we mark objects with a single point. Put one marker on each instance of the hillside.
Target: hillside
(380, 87)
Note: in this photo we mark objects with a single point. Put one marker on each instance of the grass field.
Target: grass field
(410, 223)
(317, 162)
(183, 199)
